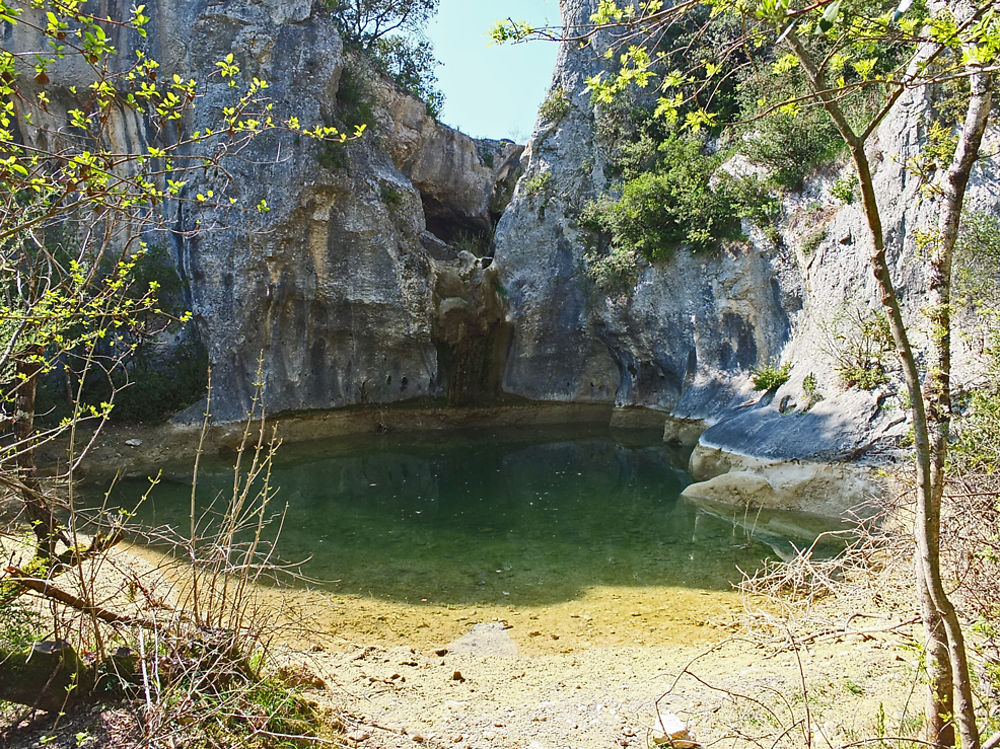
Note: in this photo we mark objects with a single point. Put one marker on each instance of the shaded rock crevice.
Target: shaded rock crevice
(470, 332)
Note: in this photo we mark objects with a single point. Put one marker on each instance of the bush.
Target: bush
(813, 240)
(538, 183)
(770, 376)
(789, 146)
(860, 344)
(977, 265)
(355, 107)
(389, 34)
(810, 388)
(159, 388)
(150, 389)
(479, 244)
(355, 96)
(390, 195)
(676, 204)
(556, 105)
(20, 625)
(973, 521)
(410, 65)
(843, 189)
(614, 271)
(629, 136)
(153, 381)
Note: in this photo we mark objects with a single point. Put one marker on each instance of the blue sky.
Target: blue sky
(491, 91)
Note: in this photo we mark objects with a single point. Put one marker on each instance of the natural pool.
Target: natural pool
(414, 537)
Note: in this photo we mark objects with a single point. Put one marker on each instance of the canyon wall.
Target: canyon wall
(339, 290)
(684, 338)
(372, 279)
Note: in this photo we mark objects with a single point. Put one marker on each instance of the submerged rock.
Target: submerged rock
(735, 487)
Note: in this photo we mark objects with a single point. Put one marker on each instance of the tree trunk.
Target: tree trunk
(938, 397)
(949, 671)
(40, 512)
(939, 728)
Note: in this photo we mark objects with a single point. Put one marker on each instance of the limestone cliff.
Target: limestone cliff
(371, 279)
(684, 338)
(339, 290)
(681, 340)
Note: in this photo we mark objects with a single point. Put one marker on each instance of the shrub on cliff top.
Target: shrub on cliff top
(389, 33)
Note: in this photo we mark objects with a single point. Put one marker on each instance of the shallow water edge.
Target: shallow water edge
(114, 450)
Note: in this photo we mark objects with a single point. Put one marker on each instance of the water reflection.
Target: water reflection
(510, 517)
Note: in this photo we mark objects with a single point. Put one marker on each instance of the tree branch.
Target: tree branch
(46, 589)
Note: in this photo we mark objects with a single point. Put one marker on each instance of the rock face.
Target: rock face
(684, 338)
(348, 296)
(371, 279)
(456, 176)
(339, 291)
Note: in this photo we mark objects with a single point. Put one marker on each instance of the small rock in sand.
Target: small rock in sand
(669, 730)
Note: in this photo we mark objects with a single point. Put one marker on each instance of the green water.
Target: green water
(519, 517)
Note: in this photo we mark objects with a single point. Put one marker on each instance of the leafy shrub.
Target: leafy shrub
(355, 107)
(410, 65)
(538, 183)
(977, 265)
(389, 34)
(153, 383)
(157, 266)
(790, 146)
(629, 136)
(150, 389)
(158, 389)
(556, 105)
(390, 195)
(810, 388)
(843, 189)
(476, 243)
(973, 505)
(20, 626)
(860, 344)
(682, 201)
(812, 241)
(332, 156)
(614, 271)
(864, 378)
(355, 96)
(770, 376)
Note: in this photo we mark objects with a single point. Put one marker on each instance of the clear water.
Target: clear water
(513, 517)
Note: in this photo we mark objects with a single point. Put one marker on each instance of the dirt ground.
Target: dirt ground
(584, 675)
(605, 697)
(596, 672)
